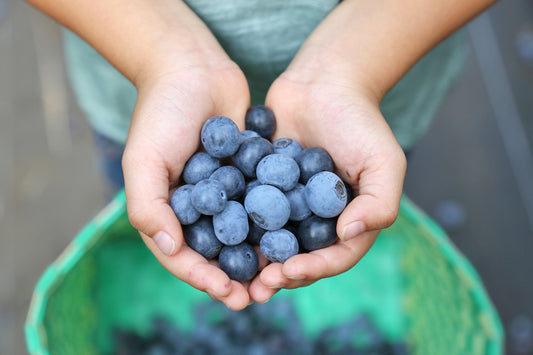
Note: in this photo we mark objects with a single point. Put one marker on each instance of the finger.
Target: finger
(238, 298)
(259, 292)
(192, 268)
(272, 277)
(380, 189)
(146, 183)
(330, 261)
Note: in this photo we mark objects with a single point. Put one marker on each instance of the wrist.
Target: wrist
(320, 65)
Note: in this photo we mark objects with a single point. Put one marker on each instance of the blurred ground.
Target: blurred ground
(470, 171)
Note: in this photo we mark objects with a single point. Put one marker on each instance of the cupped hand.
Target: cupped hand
(323, 110)
(171, 107)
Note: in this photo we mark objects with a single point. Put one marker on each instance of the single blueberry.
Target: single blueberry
(260, 119)
(231, 225)
(325, 194)
(312, 161)
(278, 170)
(299, 208)
(182, 205)
(288, 147)
(220, 136)
(240, 262)
(316, 232)
(255, 233)
(250, 152)
(232, 179)
(244, 135)
(209, 197)
(268, 207)
(200, 166)
(200, 236)
(277, 246)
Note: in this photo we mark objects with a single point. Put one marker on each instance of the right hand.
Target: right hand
(173, 103)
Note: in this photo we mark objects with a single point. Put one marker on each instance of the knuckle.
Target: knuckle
(389, 216)
(138, 217)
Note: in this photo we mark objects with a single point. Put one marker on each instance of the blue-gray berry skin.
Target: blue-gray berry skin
(326, 194)
(312, 161)
(277, 246)
(350, 193)
(316, 232)
(250, 185)
(200, 166)
(268, 207)
(299, 208)
(232, 179)
(250, 152)
(255, 233)
(209, 197)
(182, 205)
(239, 262)
(200, 236)
(220, 137)
(288, 147)
(244, 135)
(260, 119)
(231, 225)
(278, 170)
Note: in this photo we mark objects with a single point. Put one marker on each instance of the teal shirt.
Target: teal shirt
(262, 37)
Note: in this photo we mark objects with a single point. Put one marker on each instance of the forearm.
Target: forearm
(136, 36)
(376, 42)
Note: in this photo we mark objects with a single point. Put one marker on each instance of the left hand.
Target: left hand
(323, 110)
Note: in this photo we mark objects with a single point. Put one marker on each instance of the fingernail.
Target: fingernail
(296, 277)
(352, 230)
(164, 243)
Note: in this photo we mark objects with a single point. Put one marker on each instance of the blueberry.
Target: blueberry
(220, 136)
(231, 225)
(232, 179)
(182, 205)
(250, 185)
(316, 232)
(200, 236)
(278, 246)
(299, 208)
(250, 152)
(255, 233)
(278, 170)
(239, 262)
(260, 119)
(312, 161)
(288, 147)
(268, 207)
(244, 135)
(325, 194)
(200, 166)
(209, 197)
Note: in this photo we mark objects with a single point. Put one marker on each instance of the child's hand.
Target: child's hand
(321, 110)
(165, 131)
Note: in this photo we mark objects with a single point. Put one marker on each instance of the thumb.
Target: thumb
(146, 184)
(377, 204)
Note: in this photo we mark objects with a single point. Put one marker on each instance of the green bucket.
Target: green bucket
(414, 285)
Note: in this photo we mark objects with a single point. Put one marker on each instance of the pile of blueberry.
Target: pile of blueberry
(245, 190)
(260, 329)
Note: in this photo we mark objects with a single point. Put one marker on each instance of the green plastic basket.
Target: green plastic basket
(414, 284)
